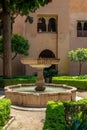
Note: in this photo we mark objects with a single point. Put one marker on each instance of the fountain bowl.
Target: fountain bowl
(39, 99)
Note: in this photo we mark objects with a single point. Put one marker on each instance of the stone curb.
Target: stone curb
(12, 118)
(27, 108)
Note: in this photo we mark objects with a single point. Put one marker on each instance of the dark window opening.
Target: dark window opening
(46, 54)
(85, 26)
(82, 29)
(79, 26)
(41, 25)
(52, 25)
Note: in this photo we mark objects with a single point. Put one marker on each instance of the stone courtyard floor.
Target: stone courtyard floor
(27, 120)
(32, 120)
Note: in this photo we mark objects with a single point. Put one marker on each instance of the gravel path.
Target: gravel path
(27, 120)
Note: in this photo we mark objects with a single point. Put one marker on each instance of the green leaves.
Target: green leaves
(77, 124)
(5, 105)
(19, 45)
(55, 119)
(78, 55)
(23, 6)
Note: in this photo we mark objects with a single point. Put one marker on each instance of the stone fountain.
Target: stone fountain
(36, 95)
(40, 64)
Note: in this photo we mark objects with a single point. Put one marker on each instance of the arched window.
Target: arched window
(85, 26)
(52, 25)
(41, 25)
(79, 29)
(79, 26)
(85, 29)
(82, 29)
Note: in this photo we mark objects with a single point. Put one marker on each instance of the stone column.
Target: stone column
(40, 80)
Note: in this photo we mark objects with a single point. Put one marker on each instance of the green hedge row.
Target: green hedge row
(5, 105)
(59, 114)
(55, 116)
(78, 83)
(13, 81)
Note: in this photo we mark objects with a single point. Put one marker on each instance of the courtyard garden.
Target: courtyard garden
(59, 115)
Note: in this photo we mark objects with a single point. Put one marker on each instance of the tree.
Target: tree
(9, 10)
(79, 55)
(19, 45)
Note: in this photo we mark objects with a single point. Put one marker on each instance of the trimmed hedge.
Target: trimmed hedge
(78, 83)
(17, 80)
(5, 105)
(55, 116)
(72, 109)
(59, 114)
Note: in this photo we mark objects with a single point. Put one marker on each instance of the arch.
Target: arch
(47, 54)
(79, 29)
(52, 25)
(41, 25)
(85, 26)
(79, 26)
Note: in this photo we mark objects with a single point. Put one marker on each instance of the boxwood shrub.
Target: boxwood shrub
(59, 114)
(55, 116)
(76, 82)
(5, 105)
(17, 80)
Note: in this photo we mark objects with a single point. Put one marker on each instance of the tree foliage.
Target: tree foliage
(22, 7)
(79, 55)
(19, 45)
(9, 10)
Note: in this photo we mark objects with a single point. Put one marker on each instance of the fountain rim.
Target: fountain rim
(11, 87)
(39, 61)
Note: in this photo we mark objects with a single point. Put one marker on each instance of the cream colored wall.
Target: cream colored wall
(41, 41)
(78, 11)
(77, 6)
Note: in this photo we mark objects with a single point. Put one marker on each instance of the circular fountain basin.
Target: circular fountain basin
(25, 95)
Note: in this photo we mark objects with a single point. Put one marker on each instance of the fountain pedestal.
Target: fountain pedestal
(40, 64)
(40, 80)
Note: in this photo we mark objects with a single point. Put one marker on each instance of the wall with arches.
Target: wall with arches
(50, 30)
(78, 30)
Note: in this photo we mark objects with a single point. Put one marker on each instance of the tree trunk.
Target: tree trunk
(7, 69)
(80, 67)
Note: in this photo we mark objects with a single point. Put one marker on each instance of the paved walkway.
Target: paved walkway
(31, 120)
(82, 94)
(27, 120)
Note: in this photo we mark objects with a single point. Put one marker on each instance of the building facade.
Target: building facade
(57, 28)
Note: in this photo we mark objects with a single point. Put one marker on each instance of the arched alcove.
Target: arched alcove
(46, 54)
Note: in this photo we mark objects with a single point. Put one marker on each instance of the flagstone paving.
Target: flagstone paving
(27, 120)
